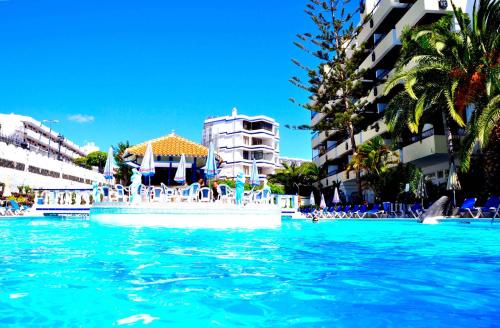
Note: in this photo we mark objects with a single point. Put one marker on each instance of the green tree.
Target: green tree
(335, 85)
(294, 178)
(82, 161)
(448, 70)
(124, 171)
(97, 158)
(373, 158)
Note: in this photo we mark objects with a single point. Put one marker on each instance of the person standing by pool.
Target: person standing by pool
(240, 188)
(215, 190)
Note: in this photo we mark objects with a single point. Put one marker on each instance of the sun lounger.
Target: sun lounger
(15, 209)
(490, 207)
(375, 211)
(361, 212)
(468, 207)
(350, 214)
(416, 210)
(342, 213)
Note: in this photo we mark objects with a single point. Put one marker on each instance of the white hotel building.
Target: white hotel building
(33, 154)
(238, 139)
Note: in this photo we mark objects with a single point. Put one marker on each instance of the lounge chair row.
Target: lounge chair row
(490, 209)
(13, 208)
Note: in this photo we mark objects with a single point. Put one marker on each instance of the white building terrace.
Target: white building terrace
(238, 139)
(33, 154)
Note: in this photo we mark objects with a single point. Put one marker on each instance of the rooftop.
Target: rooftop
(170, 145)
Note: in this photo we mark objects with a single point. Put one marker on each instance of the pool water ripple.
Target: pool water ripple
(76, 273)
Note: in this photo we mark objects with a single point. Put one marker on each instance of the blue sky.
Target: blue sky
(134, 70)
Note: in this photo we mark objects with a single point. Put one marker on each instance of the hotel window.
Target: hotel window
(246, 140)
(246, 170)
(246, 155)
(258, 155)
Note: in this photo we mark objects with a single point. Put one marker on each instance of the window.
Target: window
(246, 170)
(246, 140)
(258, 155)
(246, 155)
(256, 141)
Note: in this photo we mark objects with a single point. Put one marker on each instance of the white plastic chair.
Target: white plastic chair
(205, 195)
(157, 194)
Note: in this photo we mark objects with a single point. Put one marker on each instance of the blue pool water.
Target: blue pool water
(332, 274)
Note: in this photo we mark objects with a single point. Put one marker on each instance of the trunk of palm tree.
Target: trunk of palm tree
(492, 163)
(449, 138)
(353, 146)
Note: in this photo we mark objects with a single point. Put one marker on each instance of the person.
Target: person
(136, 180)
(240, 188)
(201, 183)
(215, 190)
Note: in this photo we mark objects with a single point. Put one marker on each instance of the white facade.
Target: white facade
(37, 137)
(238, 139)
(25, 158)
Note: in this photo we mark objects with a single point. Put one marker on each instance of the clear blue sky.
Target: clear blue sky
(135, 70)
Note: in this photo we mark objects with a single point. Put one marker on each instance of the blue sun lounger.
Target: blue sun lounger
(468, 207)
(491, 206)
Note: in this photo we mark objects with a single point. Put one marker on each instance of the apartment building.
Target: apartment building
(381, 34)
(238, 139)
(38, 137)
(33, 154)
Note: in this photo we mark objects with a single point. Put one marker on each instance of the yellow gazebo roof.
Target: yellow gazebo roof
(170, 145)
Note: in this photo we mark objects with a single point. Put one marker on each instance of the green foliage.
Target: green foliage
(124, 172)
(96, 158)
(445, 69)
(295, 178)
(335, 85)
(232, 184)
(391, 185)
(82, 161)
(277, 189)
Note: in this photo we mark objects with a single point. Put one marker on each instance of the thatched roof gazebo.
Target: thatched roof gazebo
(167, 151)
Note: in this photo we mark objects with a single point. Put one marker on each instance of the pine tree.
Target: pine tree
(336, 84)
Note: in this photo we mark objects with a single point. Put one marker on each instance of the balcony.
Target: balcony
(425, 146)
(387, 44)
(422, 8)
(379, 13)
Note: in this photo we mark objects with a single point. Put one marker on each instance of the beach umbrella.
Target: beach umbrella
(110, 165)
(336, 197)
(453, 183)
(311, 199)
(211, 166)
(322, 203)
(421, 189)
(147, 167)
(180, 174)
(254, 175)
(6, 188)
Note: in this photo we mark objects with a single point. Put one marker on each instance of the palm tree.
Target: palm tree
(124, 171)
(447, 71)
(373, 158)
(292, 176)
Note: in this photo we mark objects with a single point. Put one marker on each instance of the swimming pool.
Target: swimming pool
(327, 274)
